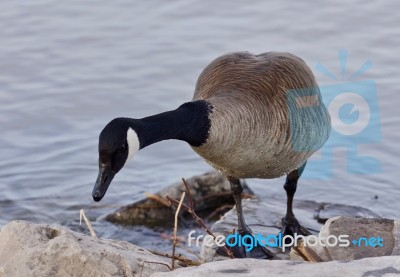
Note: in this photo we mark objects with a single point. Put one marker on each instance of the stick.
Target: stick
(176, 228)
(217, 210)
(307, 253)
(156, 198)
(198, 220)
(88, 224)
(188, 191)
(187, 261)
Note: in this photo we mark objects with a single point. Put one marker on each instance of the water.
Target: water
(67, 68)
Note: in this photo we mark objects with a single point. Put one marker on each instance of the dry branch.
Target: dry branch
(156, 198)
(175, 229)
(88, 224)
(186, 261)
(198, 220)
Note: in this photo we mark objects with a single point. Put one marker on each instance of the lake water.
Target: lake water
(68, 68)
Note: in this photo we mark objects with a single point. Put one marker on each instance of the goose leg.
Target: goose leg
(237, 190)
(239, 251)
(290, 225)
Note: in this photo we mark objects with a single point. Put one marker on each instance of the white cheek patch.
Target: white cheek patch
(133, 143)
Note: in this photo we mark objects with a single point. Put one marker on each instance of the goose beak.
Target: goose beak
(103, 182)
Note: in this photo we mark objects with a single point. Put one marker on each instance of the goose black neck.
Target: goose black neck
(190, 122)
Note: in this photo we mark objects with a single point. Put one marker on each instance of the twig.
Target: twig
(176, 203)
(176, 228)
(188, 191)
(232, 233)
(150, 262)
(307, 253)
(216, 211)
(156, 198)
(198, 220)
(187, 261)
(170, 237)
(88, 224)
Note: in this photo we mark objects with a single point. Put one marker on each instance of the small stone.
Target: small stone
(368, 237)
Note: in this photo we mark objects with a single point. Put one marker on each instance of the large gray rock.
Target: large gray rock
(28, 249)
(369, 267)
(368, 237)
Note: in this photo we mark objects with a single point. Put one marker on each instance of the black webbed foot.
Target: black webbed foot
(249, 249)
(291, 226)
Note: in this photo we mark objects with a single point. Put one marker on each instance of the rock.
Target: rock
(368, 237)
(369, 267)
(209, 192)
(264, 217)
(28, 249)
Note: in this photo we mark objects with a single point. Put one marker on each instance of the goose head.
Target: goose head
(118, 143)
(123, 137)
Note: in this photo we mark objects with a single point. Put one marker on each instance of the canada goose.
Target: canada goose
(252, 116)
